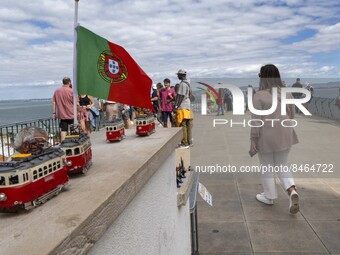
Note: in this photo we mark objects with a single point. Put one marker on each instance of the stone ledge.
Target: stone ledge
(73, 221)
(184, 191)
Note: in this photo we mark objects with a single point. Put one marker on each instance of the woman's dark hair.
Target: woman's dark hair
(269, 77)
(159, 85)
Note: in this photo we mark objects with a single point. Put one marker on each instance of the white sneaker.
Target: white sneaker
(262, 198)
(182, 146)
(294, 202)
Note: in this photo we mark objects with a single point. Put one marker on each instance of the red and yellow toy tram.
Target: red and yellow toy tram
(78, 152)
(145, 125)
(31, 179)
(115, 130)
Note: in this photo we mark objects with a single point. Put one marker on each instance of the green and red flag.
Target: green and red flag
(106, 70)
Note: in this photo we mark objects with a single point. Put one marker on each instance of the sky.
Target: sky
(207, 38)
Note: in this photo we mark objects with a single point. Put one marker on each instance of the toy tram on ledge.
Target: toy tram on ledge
(77, 148)
(31, 179)
(145, 124)
(115, 130)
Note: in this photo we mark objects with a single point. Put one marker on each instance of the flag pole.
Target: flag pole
(75, 94)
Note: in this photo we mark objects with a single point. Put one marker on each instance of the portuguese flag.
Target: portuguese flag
(107, 71)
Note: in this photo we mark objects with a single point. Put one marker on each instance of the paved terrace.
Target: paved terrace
(237, 223)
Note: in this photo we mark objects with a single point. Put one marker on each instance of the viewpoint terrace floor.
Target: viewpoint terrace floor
(237, 223)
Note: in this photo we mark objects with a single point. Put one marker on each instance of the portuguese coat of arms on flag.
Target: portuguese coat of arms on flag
(107, 71)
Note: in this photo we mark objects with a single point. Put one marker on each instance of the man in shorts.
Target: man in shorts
(63, 102)
(182, 109)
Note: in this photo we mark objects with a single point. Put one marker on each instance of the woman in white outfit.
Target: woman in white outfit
(272, 140)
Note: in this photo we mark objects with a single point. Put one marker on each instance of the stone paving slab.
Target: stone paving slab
(238, 224)
(331, 180)
(221, 179)
(328, 231)
(289, 253)
(223, 237)
(335, 186)
(223, 192)
(324, 209)
(284, 236)
(316, 190)
(226, 253)
(221, 211)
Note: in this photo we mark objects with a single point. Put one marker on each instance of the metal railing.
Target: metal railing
(196, 106)
(9, 131)
(324, 107)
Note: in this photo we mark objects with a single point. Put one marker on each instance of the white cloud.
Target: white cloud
(208, 38)
(325, 40)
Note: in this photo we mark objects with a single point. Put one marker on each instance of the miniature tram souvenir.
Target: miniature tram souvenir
(31, 179)
(145, 122)
(115, 130)
(77, 147)
(145, 125)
